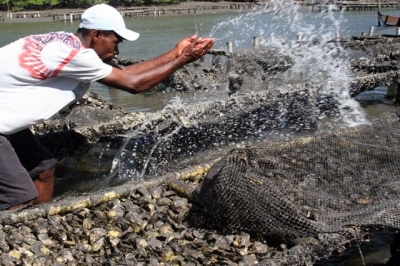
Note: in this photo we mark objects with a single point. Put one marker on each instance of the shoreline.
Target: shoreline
(185, 8)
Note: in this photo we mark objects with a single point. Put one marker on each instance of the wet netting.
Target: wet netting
(320, 184)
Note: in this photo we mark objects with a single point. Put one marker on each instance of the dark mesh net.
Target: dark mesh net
(319, 184)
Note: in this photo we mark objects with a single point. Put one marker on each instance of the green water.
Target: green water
(159, 34)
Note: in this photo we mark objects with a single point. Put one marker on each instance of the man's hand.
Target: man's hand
(183, 43)
(195, 48)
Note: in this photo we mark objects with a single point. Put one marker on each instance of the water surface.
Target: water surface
(159, 34)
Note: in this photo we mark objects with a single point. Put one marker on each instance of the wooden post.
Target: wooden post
(379, 12)
(371, 31)
(255, 42)
(229, 47)
(299, 36)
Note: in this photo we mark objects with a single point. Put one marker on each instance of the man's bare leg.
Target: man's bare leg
(45, 185)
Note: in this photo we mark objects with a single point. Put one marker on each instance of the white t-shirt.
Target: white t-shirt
(41, 74)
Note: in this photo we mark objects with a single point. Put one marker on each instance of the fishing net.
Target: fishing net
(320, 184)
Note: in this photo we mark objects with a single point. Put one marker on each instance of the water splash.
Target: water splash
(308, 39)
(146, 154)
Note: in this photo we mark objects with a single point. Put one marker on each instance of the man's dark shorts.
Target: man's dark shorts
(22, 159)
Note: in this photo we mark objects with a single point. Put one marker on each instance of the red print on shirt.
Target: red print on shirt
(30, 58)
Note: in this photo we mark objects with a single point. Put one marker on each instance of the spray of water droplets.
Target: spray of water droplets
(309, 39)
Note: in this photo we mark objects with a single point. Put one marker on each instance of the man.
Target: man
(41, 74)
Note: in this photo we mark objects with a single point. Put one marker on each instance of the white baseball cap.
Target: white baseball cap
(105, 17)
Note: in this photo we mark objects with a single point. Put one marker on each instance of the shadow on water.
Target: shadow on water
(79, 174)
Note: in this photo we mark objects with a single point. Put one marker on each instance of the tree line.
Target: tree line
(16, 5)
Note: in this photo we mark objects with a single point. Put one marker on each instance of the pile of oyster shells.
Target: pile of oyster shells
(147, 228)
(151, 226)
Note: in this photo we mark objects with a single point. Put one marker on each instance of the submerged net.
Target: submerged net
(320, 184)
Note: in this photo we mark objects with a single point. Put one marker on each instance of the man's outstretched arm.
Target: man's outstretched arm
(162, 59)
(147, 74)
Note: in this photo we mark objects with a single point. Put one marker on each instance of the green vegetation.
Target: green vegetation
(15, 5)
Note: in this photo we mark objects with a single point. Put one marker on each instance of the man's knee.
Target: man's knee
(30, 182)
(16, 186)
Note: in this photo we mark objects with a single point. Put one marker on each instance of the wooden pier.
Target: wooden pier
(131, 11)
(67, 16)
(210, 7)
(40, 15)
(348, 5)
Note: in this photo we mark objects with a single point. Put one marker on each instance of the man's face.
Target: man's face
(107, 44)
